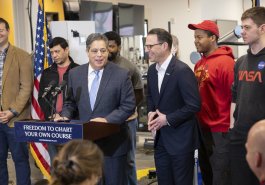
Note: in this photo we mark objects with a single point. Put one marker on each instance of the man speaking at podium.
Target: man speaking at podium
(102, 91)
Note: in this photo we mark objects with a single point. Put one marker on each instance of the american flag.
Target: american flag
(42, 59)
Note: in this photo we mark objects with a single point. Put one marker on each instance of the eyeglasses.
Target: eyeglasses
(150, 46)
(95, 51)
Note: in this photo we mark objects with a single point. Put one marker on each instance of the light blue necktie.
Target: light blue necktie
(94, 89)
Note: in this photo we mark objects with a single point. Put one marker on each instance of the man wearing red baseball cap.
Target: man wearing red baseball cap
(214, 73)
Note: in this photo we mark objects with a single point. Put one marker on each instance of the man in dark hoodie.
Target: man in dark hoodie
(214, 73)
(248, 93)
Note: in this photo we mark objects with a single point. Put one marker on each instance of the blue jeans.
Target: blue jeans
(132, 179)
(19, 153)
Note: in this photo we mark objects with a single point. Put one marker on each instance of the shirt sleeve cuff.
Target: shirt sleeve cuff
(14, 112)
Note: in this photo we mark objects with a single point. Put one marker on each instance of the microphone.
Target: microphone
(59, 88)
(48, 88)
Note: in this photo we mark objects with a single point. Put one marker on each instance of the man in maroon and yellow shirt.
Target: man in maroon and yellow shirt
(214, 72)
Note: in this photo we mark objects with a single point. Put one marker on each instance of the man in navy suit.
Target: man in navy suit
(173, 99)
(114, 103)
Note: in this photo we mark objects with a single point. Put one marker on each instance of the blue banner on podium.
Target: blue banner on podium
(49, 132)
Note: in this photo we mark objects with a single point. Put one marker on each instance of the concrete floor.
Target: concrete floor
(144, 159)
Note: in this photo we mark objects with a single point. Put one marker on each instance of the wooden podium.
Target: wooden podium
(98, 130)
(61, 132)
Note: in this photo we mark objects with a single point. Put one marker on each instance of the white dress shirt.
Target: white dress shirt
(91, 76)
(161, 70)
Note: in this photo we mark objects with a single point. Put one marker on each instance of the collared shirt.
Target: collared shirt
(92, 75)
(161, 70)
(3, 54)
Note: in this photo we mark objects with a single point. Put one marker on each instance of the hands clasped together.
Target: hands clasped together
(156, 120)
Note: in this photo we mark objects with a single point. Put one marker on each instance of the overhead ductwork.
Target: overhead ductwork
(71, 9)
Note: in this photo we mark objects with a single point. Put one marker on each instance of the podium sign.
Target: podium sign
(49, 132)
(61, 132)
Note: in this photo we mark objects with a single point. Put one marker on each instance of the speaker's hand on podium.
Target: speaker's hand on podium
(57, 117)
(54, 116)
(99, 120)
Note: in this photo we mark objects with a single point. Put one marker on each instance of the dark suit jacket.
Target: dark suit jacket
(115, 102)
(179, 100)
